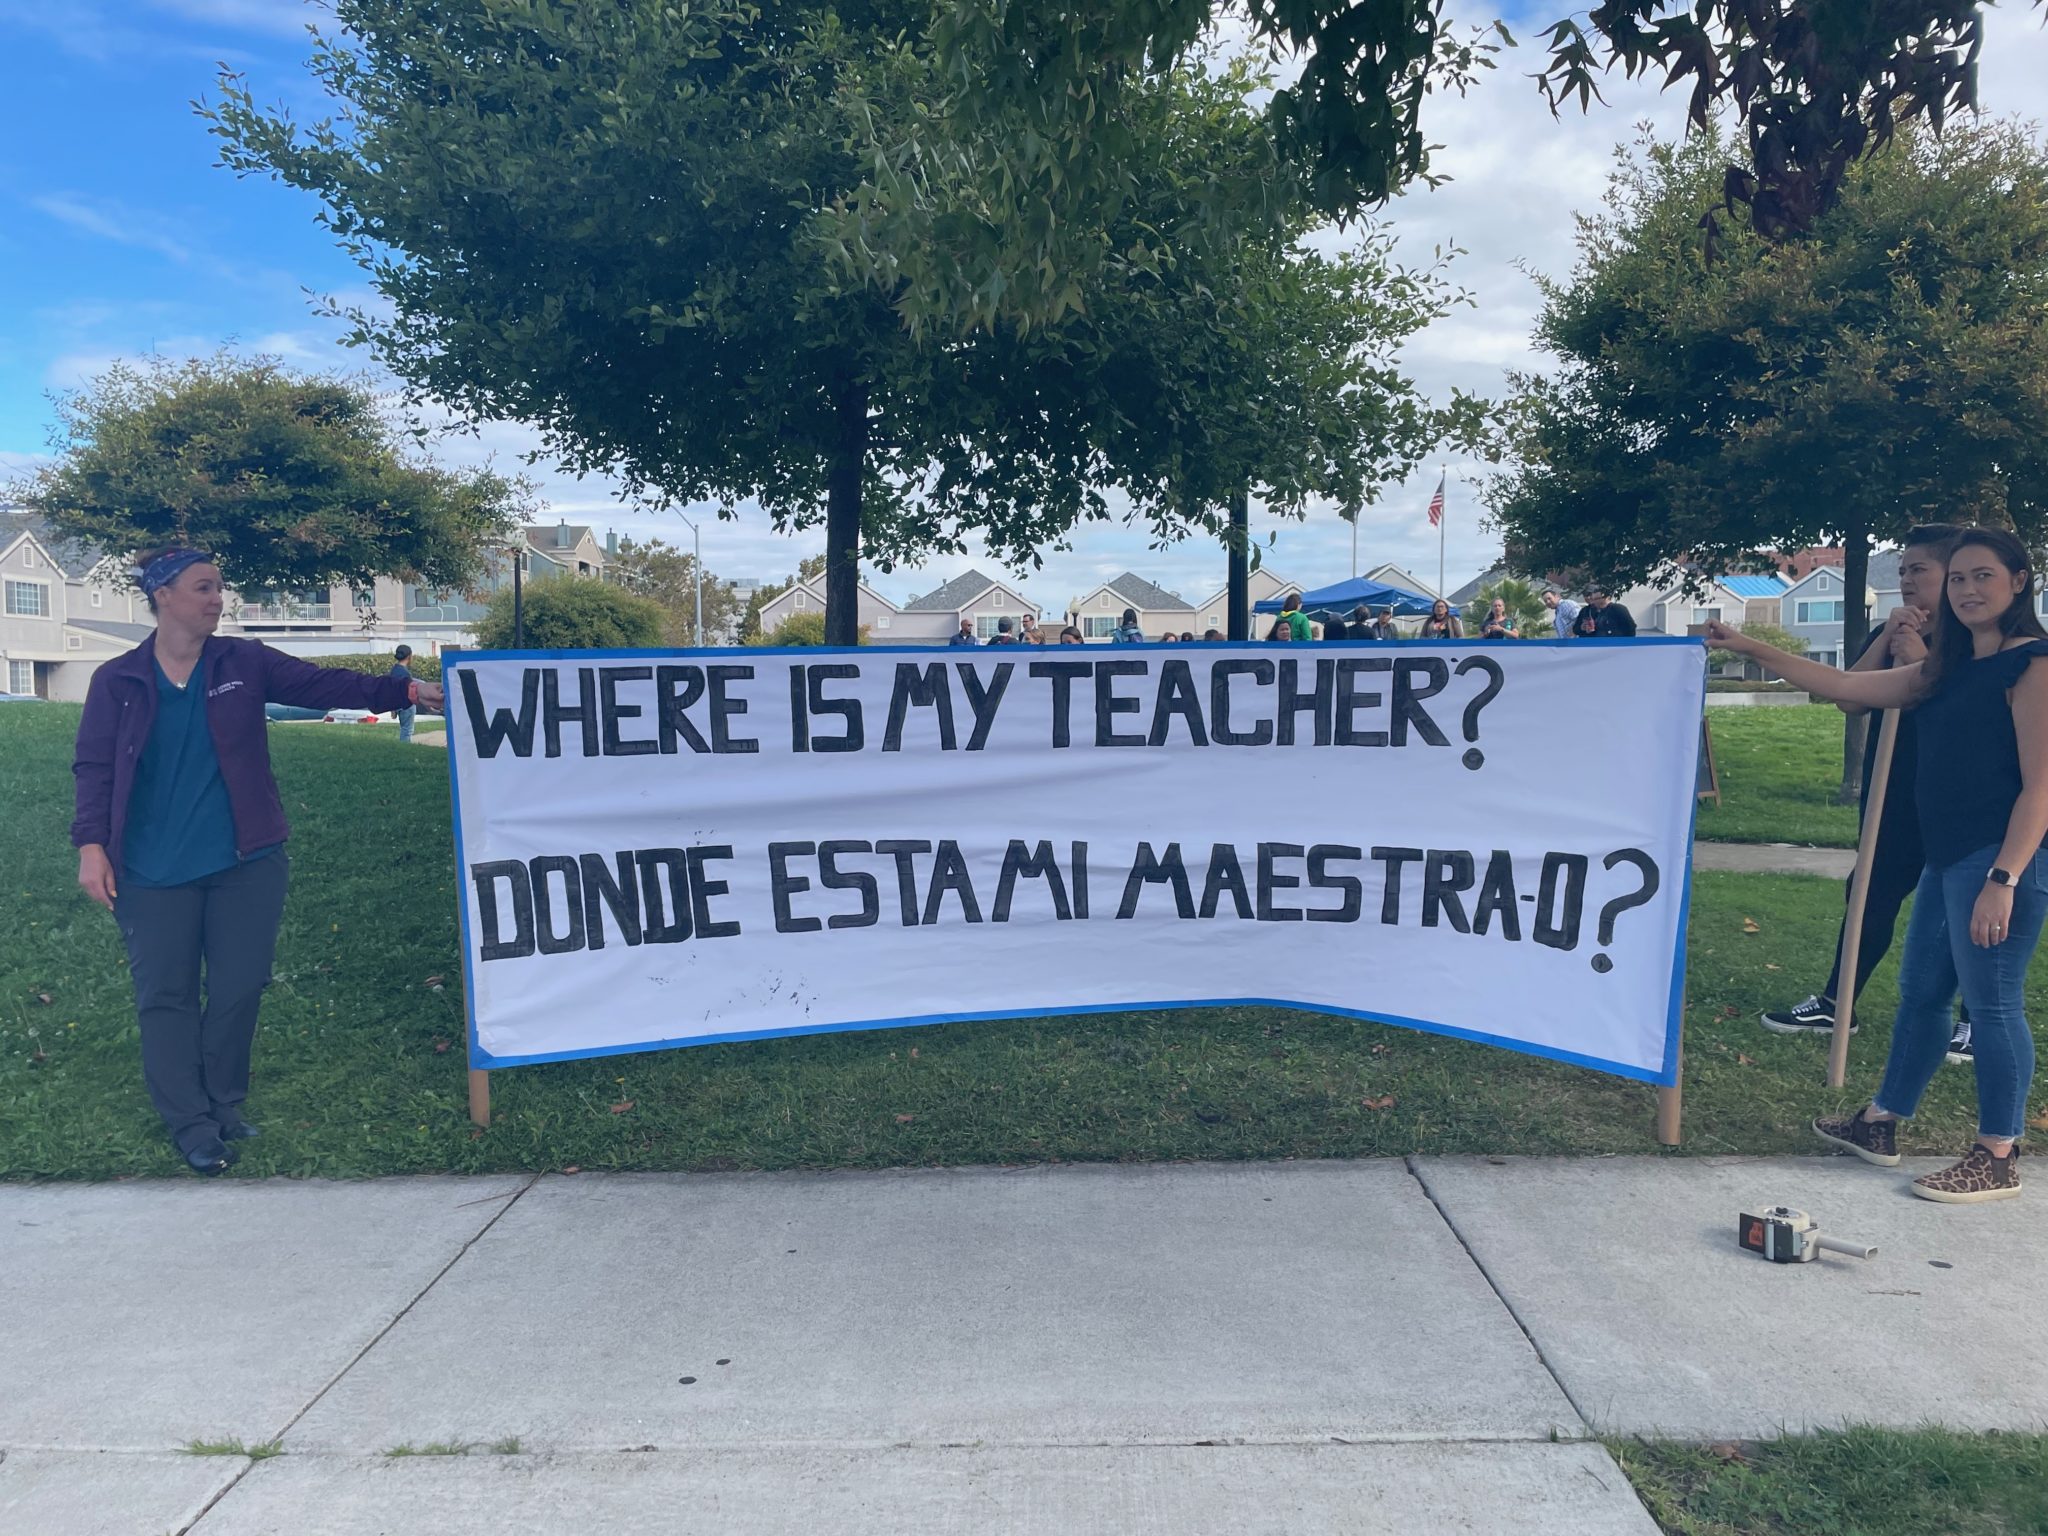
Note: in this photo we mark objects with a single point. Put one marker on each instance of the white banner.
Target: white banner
(670, 848)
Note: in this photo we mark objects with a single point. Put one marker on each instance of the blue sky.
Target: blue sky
(118, 236)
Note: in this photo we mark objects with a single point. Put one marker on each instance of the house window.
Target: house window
(881, 621)
(74, 642)
(801, 603)
(98, 597)
(1104, 601)
(999, 599)
(985, 626)
(1819, 613)
(28, 599)
(28, 557)
(21, 677)
(1094, 628)
(1822, 584)
(1214, 621)
(1710, 615)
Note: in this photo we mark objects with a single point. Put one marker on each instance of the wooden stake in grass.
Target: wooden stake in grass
(1859, 894)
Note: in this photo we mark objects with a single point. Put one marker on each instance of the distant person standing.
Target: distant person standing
(403, 672)
(1002, 634)
(1071, 636)
(1499, 624)
(1297, 621)
(1336, 629)
(1127, 631)
(1563, 613)
(966, 635)
(1586, 624)
(1442, 624)
(1029, 633)
(1611, 621)
(1383, 626)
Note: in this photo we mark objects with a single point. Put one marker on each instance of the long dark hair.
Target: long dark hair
(1952, 644)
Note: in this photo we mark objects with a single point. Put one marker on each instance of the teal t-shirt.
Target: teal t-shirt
(181, 827)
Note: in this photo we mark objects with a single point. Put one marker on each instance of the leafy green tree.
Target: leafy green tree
(1524, 604)
(1041, 111)
(656, 569)
(1769, 634)
(1889, 368)
(532, 187)
(290, 481)
(806, 628)
(574, 613)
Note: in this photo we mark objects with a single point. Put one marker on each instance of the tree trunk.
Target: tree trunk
(842, 516)
(1239, 542)
(1855, 626)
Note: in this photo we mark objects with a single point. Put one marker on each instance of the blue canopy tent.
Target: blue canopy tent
(1347, 595)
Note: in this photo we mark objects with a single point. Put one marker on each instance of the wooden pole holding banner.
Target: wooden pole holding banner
(479, 1096)
(1859, 893)
(1671, 1101)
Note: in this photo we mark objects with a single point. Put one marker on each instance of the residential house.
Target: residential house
(1097, 612)
(1813, 608)
(64, 609)
(1214, 614)
(1668, 609)
(971, 597)
(1462, 598)
(881, 618)
(1393, 575)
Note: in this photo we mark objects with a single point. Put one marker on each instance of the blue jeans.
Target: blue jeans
(405, 718)
(1938, 956)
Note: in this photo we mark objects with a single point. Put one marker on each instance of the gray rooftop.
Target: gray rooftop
(1140, 593)
(1487, 578)
(118, 629)
(74, 557)
(953, 596)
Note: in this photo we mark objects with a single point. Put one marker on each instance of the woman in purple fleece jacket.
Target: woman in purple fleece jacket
(180, 834)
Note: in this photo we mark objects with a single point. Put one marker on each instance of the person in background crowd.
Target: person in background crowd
(1611, 621)
(1187, 637)
(1360, 626)
(1290, 610)
(1899, 859)
(180, 834)
(1499, 624)
(1981, 794)
(1563, 611)
(1127, 631)
(966, 635)
(1586, 624)
(1212, 634)
(1002, 635)
(1336, 629)
(1169, 638)
(1030, 634)
(1442, 624)
(1383, 626)
(400, 670)
(1281, 630)
(1071, 636)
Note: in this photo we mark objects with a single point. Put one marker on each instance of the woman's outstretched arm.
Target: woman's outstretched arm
(1891, 689)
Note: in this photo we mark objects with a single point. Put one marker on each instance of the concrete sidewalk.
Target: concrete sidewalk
(1413, 1347)
(1774, 859)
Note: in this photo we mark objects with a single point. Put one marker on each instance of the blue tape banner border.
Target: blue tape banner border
(482, 1061)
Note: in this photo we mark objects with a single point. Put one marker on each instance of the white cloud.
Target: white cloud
(111, 221)
(278, 18)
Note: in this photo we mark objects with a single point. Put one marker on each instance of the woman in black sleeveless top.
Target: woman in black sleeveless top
(1982, 797)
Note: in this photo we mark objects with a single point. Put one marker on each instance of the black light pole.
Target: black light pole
(518, 599)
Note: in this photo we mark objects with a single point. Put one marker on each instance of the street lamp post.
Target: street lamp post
(697, 569)
(518, 595)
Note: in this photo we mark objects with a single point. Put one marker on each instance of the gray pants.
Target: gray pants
(195, 1058)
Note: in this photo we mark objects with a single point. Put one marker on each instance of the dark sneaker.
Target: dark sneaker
(1960, 1052)
(1815, 1016)
(1875, 1141)
(1978, 1177)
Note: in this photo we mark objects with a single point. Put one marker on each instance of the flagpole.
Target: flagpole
(1442, 523)
(1354, 546)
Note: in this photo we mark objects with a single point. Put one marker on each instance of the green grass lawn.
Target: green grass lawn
(1780, 769)
(1859, 1482)
(360, 1066)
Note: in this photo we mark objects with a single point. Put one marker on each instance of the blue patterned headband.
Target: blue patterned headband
(168, 566)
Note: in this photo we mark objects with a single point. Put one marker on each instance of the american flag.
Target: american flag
(1436, 504)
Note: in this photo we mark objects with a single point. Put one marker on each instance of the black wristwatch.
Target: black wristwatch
(2000, 876)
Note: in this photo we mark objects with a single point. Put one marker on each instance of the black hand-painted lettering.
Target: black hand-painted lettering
(1225, 878)
(1352, 701)
(1109, 703)
(949, 875)
(903, 850)
(1270, 880)
(620, 893)
(552, 943)
(854, 737)
(1062, 675)
(1314, 703)
(922, 688)
(782, 885)
(1497, 897)
(616, 745)
(553, 712)
(1030, 864)
(1177, 696)
(1395, 859)
(503, 725)
(1260, 671)
(665, 907)
(1158, 869)
(1408, 697)
(1561, 900)
(832, 878)
(983, 700)
(723, 709)
(675, 690)
(1445, 873)
(485, 877)
(702, 890)
(1321, 879)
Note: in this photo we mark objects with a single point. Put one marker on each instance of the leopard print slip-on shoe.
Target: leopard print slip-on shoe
(1979, 1176)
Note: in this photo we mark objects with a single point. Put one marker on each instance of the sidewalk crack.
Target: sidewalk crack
(1585, 1419)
